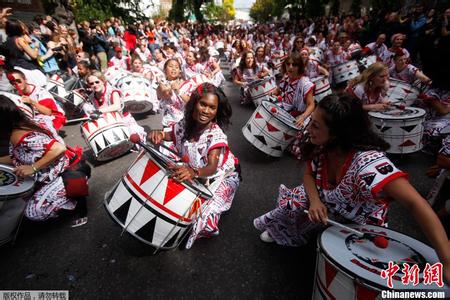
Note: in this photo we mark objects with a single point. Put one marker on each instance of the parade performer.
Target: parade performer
(172, 103)
(370, 87)
(118, 60)
(105, 98)
(348, 177)
(34, 152)
(199, 139)
(41, 100)
(192, 67)
(397, 42)
(312, 68)
(402, 70)
(247, 72)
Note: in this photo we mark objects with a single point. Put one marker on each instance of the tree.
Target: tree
(229, 11)
(261, 10)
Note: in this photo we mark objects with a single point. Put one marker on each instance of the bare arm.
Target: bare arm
(39, 107)
(323, 71)
(184, 172)
(310, 106)
(422, 77)
(6, 160)
(317, 210)
(33, 53)
(402, 191)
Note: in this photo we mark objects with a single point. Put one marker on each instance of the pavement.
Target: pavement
(99, 261)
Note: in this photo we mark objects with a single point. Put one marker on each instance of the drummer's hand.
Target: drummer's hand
(24, 171)
(175, 86)
(156, 136)
(380, 106)
(26, 99)
(318, 212)
(182, 173)
(299, 121)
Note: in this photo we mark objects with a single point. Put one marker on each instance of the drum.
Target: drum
(259, 90)
(366, 61)
(108, 136)
(25, 108)
(190, 85)
(57, 89)
(345, 71)
(316, 54)
(349, 267)
(322, 88)
(114, 74)
(152, 207)
(13, 191)
(270, 129)
(402, 129)
(401, 91)
(138, 94)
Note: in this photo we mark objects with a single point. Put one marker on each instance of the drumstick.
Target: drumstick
(378, 240)
(401, 106)
(134, 138)
(77, 120)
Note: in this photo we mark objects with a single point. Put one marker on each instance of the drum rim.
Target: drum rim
(27, 180)
(114, 144)
(353, 62)
(261, 80)
(276, 117)
(349, 272)
(378, 115)
(187, 185)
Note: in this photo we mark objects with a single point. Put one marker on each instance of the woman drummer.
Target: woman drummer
(172, 102)
(347, 177)
(402, 70)
(296, 95)
(199, 139)
(247, 72)
(370, 87)
(34, 152)
(104, 98)
(312, 67)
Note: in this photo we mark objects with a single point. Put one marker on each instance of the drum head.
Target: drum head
(397, 114)
(360, 258)
(280, 114)
(164, 161)
(11, 186)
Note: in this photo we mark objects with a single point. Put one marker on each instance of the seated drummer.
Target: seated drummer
(39, 98)
(199, 139)
(348, 177)
(247, 72)
(34, 152)
(402, 70)
(370, 87)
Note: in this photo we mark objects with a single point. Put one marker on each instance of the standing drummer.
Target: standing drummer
(402, 70)
(349, 178)
(40, 99)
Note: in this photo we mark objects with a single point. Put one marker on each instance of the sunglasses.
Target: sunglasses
(94, 82)
(16, 81)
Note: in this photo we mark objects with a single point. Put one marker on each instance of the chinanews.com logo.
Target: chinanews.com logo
(432, 275)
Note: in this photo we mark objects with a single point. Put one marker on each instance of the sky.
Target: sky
(243, 3)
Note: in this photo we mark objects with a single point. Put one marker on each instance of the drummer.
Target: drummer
(118, 60)
(247, 72)
(40, 99)
(312, 68)
(34, 152)
(262, 60)
(172, 103)
(348, 178)
(199, 139)
(370, 87)
(105, 98)
(402, 70)
(211, 67)
(192, 67)
(397, 43)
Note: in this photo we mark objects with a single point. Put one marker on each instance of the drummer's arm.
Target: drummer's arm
(310, 106)
(116, 106)
(422, 77)
(402, 191)
(237, 80)
(317, 210)
(323, 71)
(188, 173)
(55, 151)
(36, 105)
(6, 160)
(264, 73)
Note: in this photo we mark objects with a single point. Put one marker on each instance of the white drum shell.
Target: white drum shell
(403, 133)
(152, 207)
(268, 133)
(29, 112)
(108, 136)
(190, 85)
(138, 95)
(353, 281)
(260, 90)
(322, 88)
(401, 91)
(345, 71)
(368, 60)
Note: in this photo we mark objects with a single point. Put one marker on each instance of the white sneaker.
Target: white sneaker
(266, 238)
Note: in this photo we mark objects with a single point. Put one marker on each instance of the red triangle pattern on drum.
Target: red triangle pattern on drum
(258, 115)
(363, 293)
(172, 190)
(86, 126)
(150, 170)
(195, 206)
(330, 273)
(407, 143)
(271, 128)
(94, 122)
(287, 136)
(407, 91)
